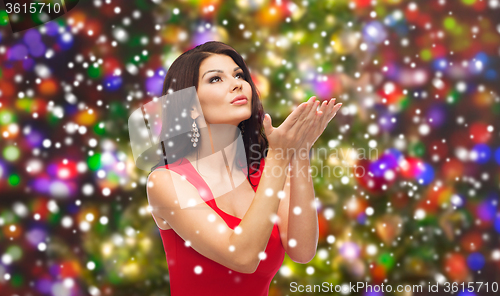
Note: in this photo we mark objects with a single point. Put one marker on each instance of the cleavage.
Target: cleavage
(237, 201)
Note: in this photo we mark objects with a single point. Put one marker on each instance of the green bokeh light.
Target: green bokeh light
(14, 180)
(426, 54)
(94, 162)
(99, 128)
(418, 149)
(404, 103)
(386, 260)
(11, 153)
(449, 23)
(469, 2)
(4, 18)
(94, 72)
(15, 252)
(17, 280)
(6, 117)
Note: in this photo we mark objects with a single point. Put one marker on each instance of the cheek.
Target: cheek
(212, 107)
(247, 88)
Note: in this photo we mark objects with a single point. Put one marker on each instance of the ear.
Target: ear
(194, 113)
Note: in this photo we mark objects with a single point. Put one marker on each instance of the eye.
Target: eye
(211, 79)
(241, 74)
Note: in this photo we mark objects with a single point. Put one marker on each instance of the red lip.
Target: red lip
(240, 97)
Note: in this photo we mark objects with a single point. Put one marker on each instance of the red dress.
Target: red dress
(216, 279)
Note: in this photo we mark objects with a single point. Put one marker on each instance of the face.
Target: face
(220, 81)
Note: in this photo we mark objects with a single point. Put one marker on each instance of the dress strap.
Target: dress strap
(184, 168)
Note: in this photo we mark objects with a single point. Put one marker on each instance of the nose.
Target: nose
(237, 84)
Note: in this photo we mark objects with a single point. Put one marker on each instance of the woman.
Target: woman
(233, 243)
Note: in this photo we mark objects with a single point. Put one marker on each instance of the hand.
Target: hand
(326, 112)
(288, 137)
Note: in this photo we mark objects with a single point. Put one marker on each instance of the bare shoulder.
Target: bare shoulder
(175, 200)
(168, 189)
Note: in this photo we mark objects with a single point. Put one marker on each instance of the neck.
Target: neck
(217, 156)
(216, 139)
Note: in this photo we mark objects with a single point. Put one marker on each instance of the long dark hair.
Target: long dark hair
(184, 73)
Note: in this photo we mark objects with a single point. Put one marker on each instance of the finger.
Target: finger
(317, 129)
(331, 102)
(323, 106)
(313, 118)
(314, 109)
(309, 115)
(310, 103)
(310, 106)
(268, 125)
(327, 111)
(298, 124)
(293, 117)
(331, 105)
(300, 121)
(310, 123)
(330, 112)
(335, 109)
(311, 112)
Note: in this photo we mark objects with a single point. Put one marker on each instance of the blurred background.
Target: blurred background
(419, 83)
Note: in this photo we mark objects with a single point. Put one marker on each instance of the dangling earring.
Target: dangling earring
(242, 127)
(194, 134)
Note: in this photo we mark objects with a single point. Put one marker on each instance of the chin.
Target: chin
(247, 117)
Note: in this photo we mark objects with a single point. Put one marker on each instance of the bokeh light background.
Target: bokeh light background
(419, 83)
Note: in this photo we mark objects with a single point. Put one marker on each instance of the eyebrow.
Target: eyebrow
(220, 71)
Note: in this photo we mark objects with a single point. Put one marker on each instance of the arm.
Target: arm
(206, 231)
(297, 214)
(300, 225)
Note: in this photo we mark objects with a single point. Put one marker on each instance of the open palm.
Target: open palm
(324, 115)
